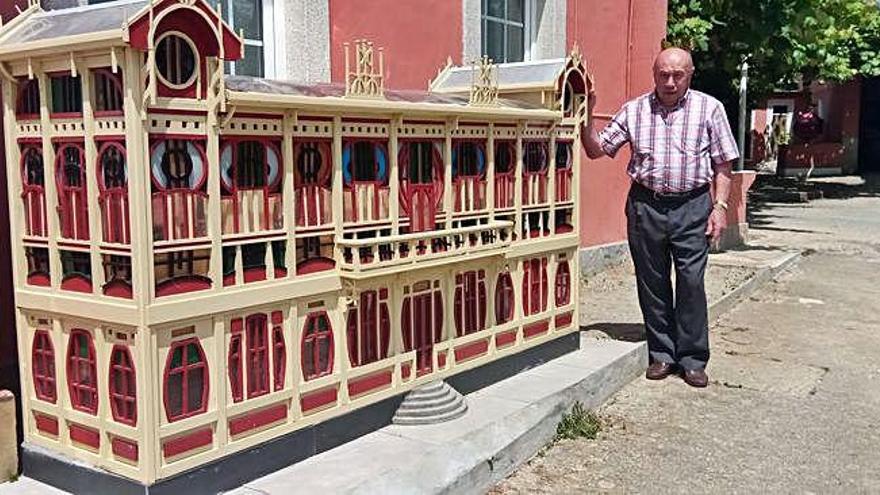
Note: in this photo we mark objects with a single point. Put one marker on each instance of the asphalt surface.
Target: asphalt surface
(794, 400)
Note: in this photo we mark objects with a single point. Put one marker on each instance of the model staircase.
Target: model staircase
(433, 403)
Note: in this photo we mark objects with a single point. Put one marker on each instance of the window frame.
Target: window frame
(377, 325)
(188, 41)
(315, 338)
(528, 26)
(76, 383)
(505, 292)
(128, 397)
(257, 355)
(268, 18)
(42, 347)
(184, 369)
(562, 284)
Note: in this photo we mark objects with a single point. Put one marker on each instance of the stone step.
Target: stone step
(415, 420)
(432, 403)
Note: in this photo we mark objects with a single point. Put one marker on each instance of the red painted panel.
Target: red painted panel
(77, 283)
(441, 359)
(185, 443)
(472, 350)
(253, 275)
(181, 285)
(563, 320)
(85, 436)
(315, 265)
(47, 424)
(505, 339)
(405, 370)
(118, 288)
(414, 49)
(368, 383)
(317, 399)
(127, 449)
(40, 279)
(257, 419)
(536, 329)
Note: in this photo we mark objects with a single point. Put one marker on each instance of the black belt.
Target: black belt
(647, 193)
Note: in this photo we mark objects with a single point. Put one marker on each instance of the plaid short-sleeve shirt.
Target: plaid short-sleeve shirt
(673, 150)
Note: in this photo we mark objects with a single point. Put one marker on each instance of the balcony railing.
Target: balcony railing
(35, 211)
(534, 189)
(368, 256)
(470, 194)
(179, 214)
(114, 215)
(366, 202)
(314, 206)
(504, 191)
(251, 210)
(563, 185)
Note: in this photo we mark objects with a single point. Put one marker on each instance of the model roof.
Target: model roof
(247, 84)
(536, 74)
(41, 26)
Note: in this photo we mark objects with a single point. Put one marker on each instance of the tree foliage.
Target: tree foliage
(783, 40)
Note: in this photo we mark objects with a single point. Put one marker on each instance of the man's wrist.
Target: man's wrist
(720, 204)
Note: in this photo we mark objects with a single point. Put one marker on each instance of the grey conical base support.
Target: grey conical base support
(433, 403)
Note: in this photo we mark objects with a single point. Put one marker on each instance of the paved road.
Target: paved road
(794, 404)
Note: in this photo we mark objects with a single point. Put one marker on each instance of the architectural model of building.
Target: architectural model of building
(205, 263)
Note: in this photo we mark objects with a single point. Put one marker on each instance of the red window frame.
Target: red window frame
(234, 366)
(73, 208)
(534, 298)
(33, 192)
(369, 328)
(109, 99)
(185, 369)
(563, 284)
(123, 385)
(504, 298)
(82, 372)
(113, 197)
(312, 340)
(43, 366)
(257, 361)
(279, 351)
(470, 302)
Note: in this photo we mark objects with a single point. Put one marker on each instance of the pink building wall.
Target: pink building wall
(619, 38)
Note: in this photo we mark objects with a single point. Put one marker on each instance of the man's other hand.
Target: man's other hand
(717, 223)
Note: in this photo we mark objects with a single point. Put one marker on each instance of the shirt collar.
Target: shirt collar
(656, 104)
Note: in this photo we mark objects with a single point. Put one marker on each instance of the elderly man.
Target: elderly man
(681, 142)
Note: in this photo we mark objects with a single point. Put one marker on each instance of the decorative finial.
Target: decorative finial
(484, 83)
(366, 80)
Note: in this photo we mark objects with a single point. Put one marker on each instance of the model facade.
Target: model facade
(204, 263)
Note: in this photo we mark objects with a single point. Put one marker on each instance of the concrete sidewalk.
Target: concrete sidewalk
(508, 422)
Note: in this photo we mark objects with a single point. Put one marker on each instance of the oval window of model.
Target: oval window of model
(176, 61)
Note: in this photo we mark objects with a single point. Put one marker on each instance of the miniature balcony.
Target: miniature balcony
(363, 258)
(250, 211)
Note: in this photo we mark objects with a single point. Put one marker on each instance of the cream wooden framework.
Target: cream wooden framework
(149, 324)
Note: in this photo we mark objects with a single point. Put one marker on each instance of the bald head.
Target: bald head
(673, 70)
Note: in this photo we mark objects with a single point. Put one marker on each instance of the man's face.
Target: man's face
(672, 77)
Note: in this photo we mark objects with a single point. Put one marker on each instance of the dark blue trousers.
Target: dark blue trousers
(667, 231)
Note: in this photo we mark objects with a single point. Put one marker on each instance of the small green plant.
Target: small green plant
(579, 423)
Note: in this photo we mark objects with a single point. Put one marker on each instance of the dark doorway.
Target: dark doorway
(869, 130)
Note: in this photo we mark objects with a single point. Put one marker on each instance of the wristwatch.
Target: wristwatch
(721, 204)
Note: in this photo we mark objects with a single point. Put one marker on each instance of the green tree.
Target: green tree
(832, 40)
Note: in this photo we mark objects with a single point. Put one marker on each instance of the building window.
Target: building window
(279, 351)
(123, 387)
(33, 191)
(186, 380)
(73, 208)
(76, 271)
(369, 328)
(66, 95)
(179, 192)
(535, 159)
(233, 365)
(247, 16)
(108, 92)
(37, 265)
(257, 355)
(43, 366)
(470, 302)
(176, 61)
(504, 27)
(563, 284)
(534, 286)
(317, 346)
(82, 376)
(504, 298)
(113, 197)
(28, 105)
(250, 173)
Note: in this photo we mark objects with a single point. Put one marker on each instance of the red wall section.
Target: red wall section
(619, 39)
(417, 36)
(7, 8)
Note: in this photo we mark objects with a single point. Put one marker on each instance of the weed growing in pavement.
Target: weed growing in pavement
(579, 423)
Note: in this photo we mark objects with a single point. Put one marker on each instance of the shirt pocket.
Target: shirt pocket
(693, 142)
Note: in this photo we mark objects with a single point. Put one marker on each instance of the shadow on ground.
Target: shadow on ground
(628, 332)
(769, 189)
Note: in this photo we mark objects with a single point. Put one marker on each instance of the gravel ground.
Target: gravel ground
(794, 400)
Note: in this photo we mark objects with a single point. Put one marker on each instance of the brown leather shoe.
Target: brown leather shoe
(696, 378)
(659, 370)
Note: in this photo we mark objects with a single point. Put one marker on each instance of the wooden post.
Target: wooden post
(8, 452)
(394, 174)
